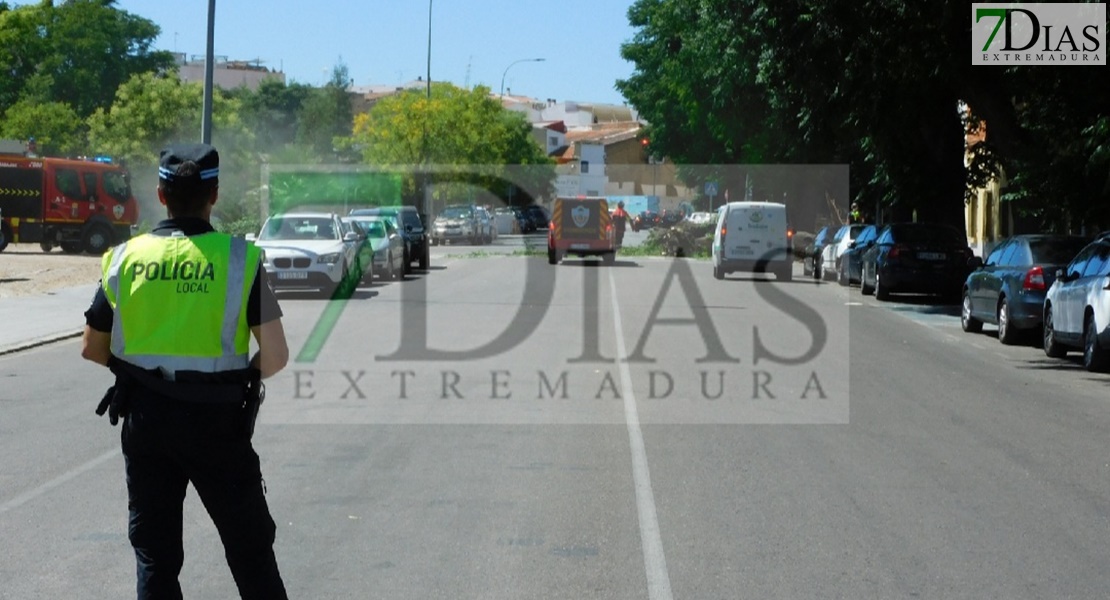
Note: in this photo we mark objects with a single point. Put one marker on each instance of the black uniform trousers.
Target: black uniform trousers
(168, 444)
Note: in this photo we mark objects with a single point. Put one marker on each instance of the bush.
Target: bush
(683, 239)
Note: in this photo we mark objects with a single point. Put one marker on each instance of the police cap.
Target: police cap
(175, 156)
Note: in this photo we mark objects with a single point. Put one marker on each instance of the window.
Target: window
(995, 256)
(115, 183)
(68, 182)
(886, 237)
(1099, 264)
(1007, 258)
(1079, 264)
(1056, 251)
(867, 235)
(585, 168)
(90, 187)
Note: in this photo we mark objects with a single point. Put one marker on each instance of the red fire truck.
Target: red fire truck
(79, 205)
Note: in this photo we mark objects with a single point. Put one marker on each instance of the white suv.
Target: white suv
(1077, 307)
(309, 250)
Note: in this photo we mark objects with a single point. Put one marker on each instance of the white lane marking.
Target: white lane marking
(29, 495)
(655, 562)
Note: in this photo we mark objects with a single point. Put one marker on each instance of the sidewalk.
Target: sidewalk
(29, 321)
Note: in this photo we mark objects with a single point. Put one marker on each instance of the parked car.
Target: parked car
(456, 223)
(703, 218)
(926, 258)
(507, 221)
(487, 228)
(831, 252)
(851, 262)
(410, 225)
(387, 247)
(813, 252)
(1008, 289)
(670, 218)
(309, 251)
(645, 220)
(1077, 307)
(539, 215)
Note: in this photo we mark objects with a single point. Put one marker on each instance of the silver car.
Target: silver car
(1077, 307)
(385, 242)
(309, 251)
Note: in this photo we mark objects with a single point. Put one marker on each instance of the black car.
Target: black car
(645, 220)
(927, 258)
(851, 264)
(813, 252)
(538, 214)
(1008, 289)
(411, 227)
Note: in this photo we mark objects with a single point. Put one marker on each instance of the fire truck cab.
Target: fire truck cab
(79, 205)
(581, 226)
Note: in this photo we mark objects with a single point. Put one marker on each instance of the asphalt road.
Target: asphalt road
(501, 428)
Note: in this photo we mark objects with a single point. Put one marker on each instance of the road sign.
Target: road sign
(711, 189)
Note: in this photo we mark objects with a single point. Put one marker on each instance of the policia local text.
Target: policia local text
(193, 275)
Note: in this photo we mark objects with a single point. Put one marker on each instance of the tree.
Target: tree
(151, 111)
(325, 113)
(272, 111)
(83, 49)
(54, 125)
(761, 81)
(465, 135)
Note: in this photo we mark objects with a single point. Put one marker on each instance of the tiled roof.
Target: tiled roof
(605, 133)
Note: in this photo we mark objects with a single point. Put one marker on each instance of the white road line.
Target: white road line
(655, 562)
(29, 495)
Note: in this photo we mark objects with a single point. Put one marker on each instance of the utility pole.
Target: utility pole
(209, 66)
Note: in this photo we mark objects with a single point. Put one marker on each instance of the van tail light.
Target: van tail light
(789, 234)
(1034, 279)
(897, 250)
(724, 230)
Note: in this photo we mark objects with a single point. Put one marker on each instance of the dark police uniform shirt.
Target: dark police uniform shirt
(262, 306)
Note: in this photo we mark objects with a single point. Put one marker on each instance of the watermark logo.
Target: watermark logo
(523, 341)
(1038, 34)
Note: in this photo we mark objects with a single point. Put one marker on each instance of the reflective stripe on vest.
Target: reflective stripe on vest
(179, 303)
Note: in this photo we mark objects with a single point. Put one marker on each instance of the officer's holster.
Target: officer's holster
(242, 387)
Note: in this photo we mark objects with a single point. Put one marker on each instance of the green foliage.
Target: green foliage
(76, 52)
(55, 126)
(455, 131)
(750, 81)
(325, 114)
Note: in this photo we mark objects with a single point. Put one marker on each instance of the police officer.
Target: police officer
(855, 216)
(173, 319)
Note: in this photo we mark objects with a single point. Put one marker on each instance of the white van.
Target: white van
(754, 237)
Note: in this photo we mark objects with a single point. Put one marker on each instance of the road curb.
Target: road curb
(40, 341)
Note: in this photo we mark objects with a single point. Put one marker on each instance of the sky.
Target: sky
(386, 41)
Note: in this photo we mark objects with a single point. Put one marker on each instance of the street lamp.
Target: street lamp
(209, 59)
(428, 77)
(424, 179)
(502, 94)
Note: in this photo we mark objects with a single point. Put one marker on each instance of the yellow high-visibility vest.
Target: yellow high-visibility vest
(179, 302)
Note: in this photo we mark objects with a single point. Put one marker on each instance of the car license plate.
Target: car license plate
(931, 255)
(293, 275)
(742, 250)
(579, 246)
